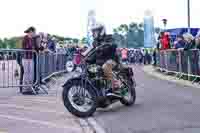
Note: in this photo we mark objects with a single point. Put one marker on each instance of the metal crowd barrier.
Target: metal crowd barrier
(27, 68)
(181, 62)
(50, 63)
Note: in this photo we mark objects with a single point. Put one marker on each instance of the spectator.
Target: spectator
(165, 41)
(77, 57)
(160, 35)
(140, 56)
(189, 41)
(132, 56)
(72, 49)
(29, 59)
(51, 44)
(197, 40)
(180, 43)
(159, 43)
(154, 57)
(124, 53)
(147, 57)
(143, 55)
(43, 41)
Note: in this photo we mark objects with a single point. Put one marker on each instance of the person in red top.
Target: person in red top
(165, 41)
(124, 54)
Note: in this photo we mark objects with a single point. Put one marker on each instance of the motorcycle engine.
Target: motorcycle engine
(96, 75)
(95, 71)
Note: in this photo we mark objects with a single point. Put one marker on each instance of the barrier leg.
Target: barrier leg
(34, 91)
(44, 88)
(189, 69)
(194, 80)
(38, 74)
(181, 75)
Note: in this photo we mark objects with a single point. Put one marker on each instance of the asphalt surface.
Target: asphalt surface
(161, 107)
(41, 113)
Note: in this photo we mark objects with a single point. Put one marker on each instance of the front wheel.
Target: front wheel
(129, 94)
(78, 69)
(79, 99)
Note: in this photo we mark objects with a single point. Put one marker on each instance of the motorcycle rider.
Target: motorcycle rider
(106, 54)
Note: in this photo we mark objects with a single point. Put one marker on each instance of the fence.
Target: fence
(180, 62)
(27, 68)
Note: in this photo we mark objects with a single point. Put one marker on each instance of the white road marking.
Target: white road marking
(31, 108)
(96, 126)
(48, 101)
(85, 126)
(44, 123)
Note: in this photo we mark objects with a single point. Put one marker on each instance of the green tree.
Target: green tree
(1, 43)
(119, 40)
(133, 34)
(123, 29)
(84, 40)
(115, 30)
(75, 40)
(141, 26)
(10, 43)
(133, 26)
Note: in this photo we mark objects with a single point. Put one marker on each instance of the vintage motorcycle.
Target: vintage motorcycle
(83, 94)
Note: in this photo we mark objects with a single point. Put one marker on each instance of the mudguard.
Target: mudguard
(70, 81)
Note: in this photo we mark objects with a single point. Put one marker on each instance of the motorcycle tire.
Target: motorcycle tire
(68, 105)
(132, 93)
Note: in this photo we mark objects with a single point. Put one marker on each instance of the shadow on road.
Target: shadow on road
(116, 108)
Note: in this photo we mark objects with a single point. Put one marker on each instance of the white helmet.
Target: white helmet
(98, 30)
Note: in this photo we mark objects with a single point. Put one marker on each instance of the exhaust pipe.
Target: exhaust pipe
(114, 96)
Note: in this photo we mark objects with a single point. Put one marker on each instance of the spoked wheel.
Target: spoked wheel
(128, 93)
(70, 66)
(79, 99)
(79, 69)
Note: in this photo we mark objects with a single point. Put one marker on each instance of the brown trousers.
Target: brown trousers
(107, 69)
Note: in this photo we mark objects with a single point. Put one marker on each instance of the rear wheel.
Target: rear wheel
(79, 99)
(128, 93)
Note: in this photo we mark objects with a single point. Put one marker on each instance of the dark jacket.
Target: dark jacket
(27, 44)
(105, 50)
(31, 44)
(51, 45)
(180, 44)
(103, 39)
(198, 46)
(37, 41)
(190, 45)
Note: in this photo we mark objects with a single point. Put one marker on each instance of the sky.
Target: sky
(69, 17)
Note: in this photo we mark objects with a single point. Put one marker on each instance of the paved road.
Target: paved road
(42, 113)
(161, 107)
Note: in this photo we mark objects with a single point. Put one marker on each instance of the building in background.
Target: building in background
(90, 23)
(149, 36)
